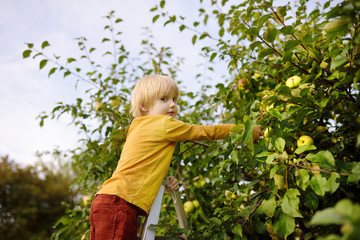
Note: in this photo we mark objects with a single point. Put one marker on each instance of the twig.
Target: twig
(199, 143)
(252, 211)
(315, 169)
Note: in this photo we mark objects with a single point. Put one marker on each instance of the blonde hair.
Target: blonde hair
(148, 88)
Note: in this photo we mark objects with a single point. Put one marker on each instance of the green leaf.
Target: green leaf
(319, 184)
(279, 181)
(287, 30)
(193, 40)
(289, 45)
(215, 220)
(273, 171)
(237, 230)
(337, 24)
(302, 179)
(26, 53)
(182, 27)
(252, 31)
(52, 71)
(275, 113)
(213, 55)
(45, 44)
(332, 184)
(345, 208)
(290, 203)
(221, 32)
(285, 224)
(263, 154)
(43, 63)
(305, 148)
(249, 127)
(265, 52)
(269, 206)
(356, 169)
(311, 200)
(322, 157)
(355, 176)
(326, 217)
(67, 73)
(234, 156)
(338, 61)
(156, 17)
(254, 45)
(69, 60)
(270, 34)
(271, 158)
(280, 144)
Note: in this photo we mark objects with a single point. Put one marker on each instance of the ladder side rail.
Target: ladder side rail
(153, 217)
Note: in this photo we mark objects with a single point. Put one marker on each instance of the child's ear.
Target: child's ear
(143, 108)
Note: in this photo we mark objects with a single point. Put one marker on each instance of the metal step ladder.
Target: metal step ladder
(149, 229)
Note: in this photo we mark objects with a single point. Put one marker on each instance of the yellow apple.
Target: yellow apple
(324, 64)
(258, 76)
(304, 140)
(241, 83)
(230, 195)
(293, 81)
(202, 182)
(189, 206)
(98, 106)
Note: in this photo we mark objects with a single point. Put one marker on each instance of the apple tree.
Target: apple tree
(293, 70)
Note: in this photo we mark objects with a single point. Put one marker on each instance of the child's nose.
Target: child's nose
(172, 104)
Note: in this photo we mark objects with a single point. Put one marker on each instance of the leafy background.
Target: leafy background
(279, 190)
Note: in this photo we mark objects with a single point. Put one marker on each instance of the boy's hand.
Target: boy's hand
(173, 183)
(257, 133)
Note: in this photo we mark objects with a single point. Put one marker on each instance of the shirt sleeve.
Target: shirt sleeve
(176, 130)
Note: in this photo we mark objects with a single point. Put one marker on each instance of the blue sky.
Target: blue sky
(25, 91)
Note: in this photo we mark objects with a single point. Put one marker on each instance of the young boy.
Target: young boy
(145, 158)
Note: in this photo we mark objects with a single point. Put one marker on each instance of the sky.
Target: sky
(26, 91)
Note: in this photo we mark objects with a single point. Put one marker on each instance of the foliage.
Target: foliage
(277, 184)
(31, 200)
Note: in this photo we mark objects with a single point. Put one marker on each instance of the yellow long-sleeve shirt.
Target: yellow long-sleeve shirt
(147, 154)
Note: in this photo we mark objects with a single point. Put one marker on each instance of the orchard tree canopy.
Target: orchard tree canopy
(31, 199)
(293, 70)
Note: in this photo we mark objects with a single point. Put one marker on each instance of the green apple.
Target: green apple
(196, 203)
(293, 81)
(304, 140)
(99, 106)
(189, 206)
(115, 103)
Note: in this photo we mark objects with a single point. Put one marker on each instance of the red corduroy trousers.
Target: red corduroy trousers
(111, 217)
